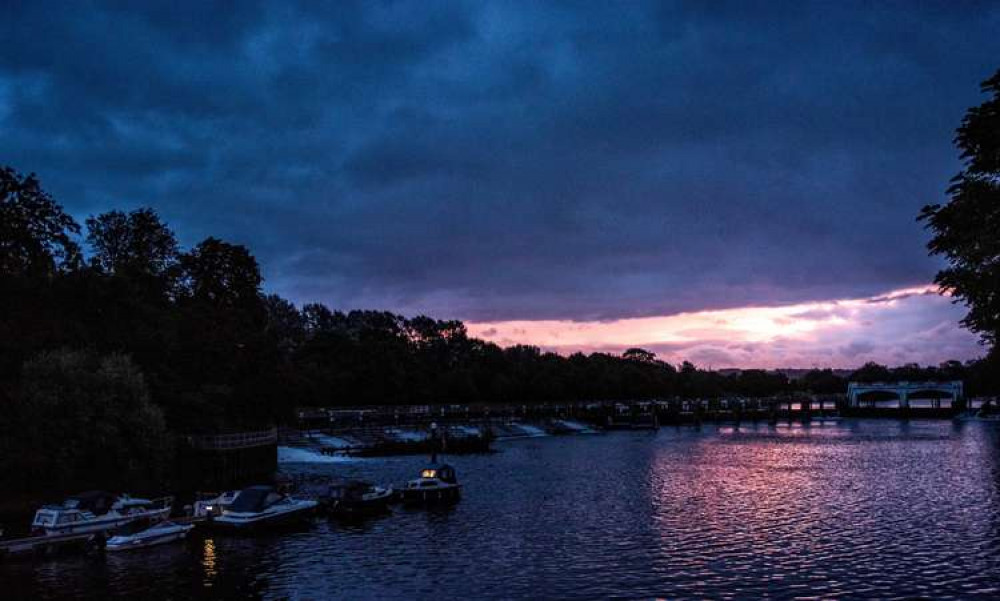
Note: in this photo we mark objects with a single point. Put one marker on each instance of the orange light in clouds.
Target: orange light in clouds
(747, 324)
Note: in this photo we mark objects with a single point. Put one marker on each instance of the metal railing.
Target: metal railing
(237, 440)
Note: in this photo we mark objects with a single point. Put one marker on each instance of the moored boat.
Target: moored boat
(211, 506)
(263, 505)
(97, 511)
(136, 536)
(348, 498)
(437, 484)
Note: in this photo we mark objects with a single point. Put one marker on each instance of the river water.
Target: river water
(850, 509)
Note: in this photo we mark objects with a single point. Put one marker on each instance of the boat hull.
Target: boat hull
(142, 542)
(249, 522)
(360, 508)
(104, 524)
(431, 496)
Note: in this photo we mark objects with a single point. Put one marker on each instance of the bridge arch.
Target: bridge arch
(865, 393)
(873, 398)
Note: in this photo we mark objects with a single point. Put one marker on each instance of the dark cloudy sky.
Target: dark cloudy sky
(513, 161)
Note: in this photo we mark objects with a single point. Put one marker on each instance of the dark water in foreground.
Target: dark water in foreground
(855, 509)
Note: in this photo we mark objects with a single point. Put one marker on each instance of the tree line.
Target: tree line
(114, 339)
(216, 351)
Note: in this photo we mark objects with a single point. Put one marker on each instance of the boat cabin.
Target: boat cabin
(437, 483)
(348, 490)
(78, 508)
(255, 499)
(442, 472)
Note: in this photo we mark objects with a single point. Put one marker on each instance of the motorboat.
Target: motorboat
(97, 511)
(211, 506)
(138, 536)
(437, 484)
(263, 505)
(347, 498)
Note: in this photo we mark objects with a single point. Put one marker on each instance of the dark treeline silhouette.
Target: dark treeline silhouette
(106, 355)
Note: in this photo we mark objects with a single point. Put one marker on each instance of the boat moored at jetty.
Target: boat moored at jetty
(138, 536)
(97, 511)
(437, 484)
(211, 506)
(350, 498)
(263, 505)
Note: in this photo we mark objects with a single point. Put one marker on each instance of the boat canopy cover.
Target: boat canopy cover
(133, 527)
(96, 501)
(254, 499)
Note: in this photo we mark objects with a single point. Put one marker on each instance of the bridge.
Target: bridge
(902, 391)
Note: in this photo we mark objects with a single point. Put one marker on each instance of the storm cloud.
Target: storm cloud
(512, 161)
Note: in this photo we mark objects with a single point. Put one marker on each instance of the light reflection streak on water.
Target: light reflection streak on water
(208, 562)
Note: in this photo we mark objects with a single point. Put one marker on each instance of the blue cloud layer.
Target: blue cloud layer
(511, 160)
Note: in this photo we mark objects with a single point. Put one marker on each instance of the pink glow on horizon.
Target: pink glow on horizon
(911, 325)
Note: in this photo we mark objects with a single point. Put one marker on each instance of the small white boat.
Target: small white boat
(157, 534)
(97, 511)
(263, 505)
(437, 484)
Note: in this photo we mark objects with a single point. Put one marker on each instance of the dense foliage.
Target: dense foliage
(86, 421)
(967, 228)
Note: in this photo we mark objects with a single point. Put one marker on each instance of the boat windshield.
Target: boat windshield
(254, 500)
(70, 517)
(45, 518)
(132, 528)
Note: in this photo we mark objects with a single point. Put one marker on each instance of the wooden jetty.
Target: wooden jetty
(34, 546)
(45, 546)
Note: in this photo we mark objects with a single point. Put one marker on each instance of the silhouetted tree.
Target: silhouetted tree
(284, 323)
(36, 235)
(85, 421)
(640, 355)
(135, 243)
(871, 372)
(759, 383)
(967, 228)
(823, 381)
(222, 276)
(37, 248)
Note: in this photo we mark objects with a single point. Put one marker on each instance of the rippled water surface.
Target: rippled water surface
(849, 509)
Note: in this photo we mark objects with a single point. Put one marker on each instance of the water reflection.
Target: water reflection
(783, 505)
(208, 562)
(827, 509)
